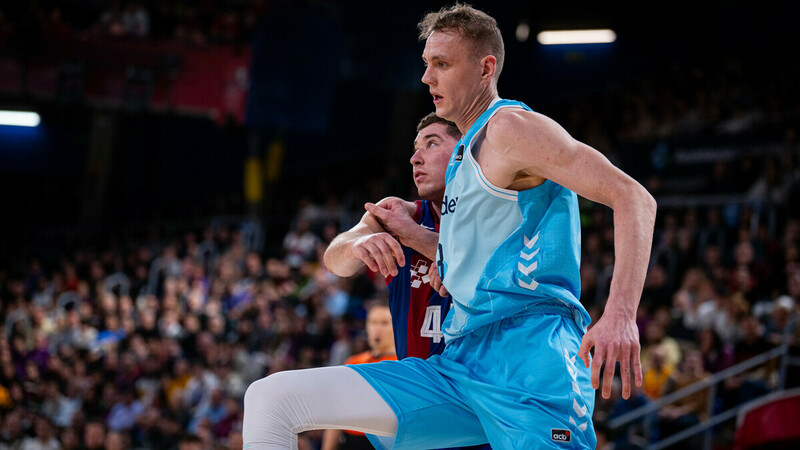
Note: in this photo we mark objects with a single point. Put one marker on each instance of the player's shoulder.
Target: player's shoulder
(512, 130)
(512, 120)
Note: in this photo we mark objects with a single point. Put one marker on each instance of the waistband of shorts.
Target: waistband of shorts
(556, 307)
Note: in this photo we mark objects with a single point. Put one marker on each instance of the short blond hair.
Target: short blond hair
(471, 23)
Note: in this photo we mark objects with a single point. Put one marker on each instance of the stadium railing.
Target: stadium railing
(710, 383)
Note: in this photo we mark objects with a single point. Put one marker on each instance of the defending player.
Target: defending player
(417, 309)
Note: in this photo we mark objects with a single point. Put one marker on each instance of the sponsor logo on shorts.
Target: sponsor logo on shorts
(559, 435)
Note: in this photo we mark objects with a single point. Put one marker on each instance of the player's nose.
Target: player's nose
(416, 158)
(427, 77)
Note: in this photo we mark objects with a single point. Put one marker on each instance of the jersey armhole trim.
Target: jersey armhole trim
(502, 193)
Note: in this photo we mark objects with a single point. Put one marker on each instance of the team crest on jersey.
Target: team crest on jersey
(419, 273)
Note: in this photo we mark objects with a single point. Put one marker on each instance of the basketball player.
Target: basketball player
(417, 309)
(509, 249)
(381, 348)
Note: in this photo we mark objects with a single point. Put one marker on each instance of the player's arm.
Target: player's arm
(367, 243)
(545, 149)
(397, 216)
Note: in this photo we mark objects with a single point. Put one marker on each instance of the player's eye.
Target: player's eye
(441, 65)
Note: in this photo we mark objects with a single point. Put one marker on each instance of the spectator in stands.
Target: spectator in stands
(752, 383)
(658, 376)
(656, 338)
(124, 413)
(716, 354)
(44, 436)
(770, 185)
(300, 244)
(111, 21)
(689, 410)
(135, 20)
(11, 433)
(116, 440)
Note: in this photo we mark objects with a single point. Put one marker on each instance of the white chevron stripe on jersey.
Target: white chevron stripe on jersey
(531, 286)
(527, 270)
(580, 411)
(528, 256)
(581, 427)
(571, 360)
(529, 243)
(573, 373)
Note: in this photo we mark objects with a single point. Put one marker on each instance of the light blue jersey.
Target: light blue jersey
(503, 252)
(509, 374)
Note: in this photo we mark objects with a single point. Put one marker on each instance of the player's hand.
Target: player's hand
(394, 216)
(614, 338)
(380, 252)
(436, 282)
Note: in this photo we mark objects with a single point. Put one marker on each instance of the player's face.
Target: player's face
(432, 148)
(453, 74)
(379, 330)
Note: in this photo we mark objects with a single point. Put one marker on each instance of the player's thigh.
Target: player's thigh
(529, 387)
(429, 407)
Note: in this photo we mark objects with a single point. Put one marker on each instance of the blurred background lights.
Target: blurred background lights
(601, 36)
(19, 118)
(523, 31)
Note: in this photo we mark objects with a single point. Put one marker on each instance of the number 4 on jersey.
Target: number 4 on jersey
(432, 325)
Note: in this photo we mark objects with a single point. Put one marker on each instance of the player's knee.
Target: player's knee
(268, 393)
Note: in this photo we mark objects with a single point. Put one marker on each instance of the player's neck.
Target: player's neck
(476, 108)
(436, 207)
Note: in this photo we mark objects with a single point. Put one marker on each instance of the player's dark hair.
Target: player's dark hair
(432, 118)
(471, 23)
(378, 303)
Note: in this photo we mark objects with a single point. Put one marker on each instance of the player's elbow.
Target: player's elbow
(635, 198)
(646, 202)
(652, 205)
(332, 260)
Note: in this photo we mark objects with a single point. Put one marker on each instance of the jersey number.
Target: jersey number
(432, 325)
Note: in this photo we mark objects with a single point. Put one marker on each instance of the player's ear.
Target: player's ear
(488, 67)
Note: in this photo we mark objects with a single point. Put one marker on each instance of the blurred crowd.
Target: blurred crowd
(179, 21)
(152, 344)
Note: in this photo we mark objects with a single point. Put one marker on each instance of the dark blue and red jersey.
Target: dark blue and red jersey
(417, 309)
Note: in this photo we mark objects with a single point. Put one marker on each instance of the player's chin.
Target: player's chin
(423, 191)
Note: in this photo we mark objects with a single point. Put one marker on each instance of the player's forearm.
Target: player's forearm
(339, 257)
(423, 241)
(634, 219)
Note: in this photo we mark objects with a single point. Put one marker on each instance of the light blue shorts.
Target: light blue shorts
(516, 383)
